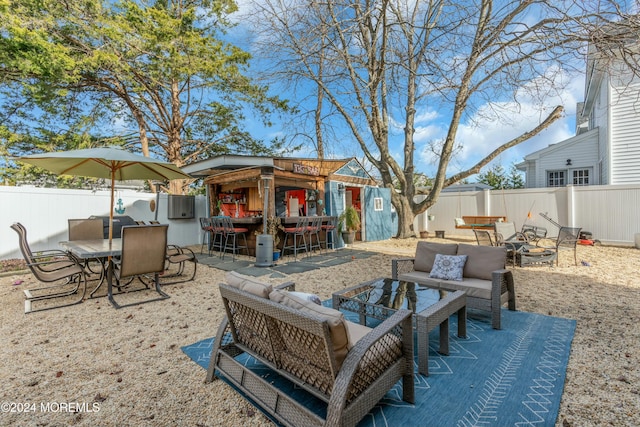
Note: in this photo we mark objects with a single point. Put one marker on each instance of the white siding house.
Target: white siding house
(606, 148)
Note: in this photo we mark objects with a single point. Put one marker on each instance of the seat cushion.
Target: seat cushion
(476, 288)
(482, 260)
(335, 320)
(356, 331)
(248, 284)
(420, 277)
(426, 254)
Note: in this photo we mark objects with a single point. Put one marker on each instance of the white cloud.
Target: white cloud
(496, 123)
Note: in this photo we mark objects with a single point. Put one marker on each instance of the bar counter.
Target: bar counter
(254, 226)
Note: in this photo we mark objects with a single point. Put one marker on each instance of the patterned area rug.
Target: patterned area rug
(514, 376)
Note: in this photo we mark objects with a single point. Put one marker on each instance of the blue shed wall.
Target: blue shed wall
(379, 224)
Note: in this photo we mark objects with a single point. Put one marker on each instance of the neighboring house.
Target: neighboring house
(606, 148)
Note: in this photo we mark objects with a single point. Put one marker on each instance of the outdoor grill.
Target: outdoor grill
(119, 221)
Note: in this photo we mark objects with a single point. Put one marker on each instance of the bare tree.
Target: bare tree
(392, 59)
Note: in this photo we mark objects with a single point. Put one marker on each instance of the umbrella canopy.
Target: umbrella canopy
(105, 162)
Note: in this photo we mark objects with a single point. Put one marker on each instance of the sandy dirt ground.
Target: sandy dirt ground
(92, 365)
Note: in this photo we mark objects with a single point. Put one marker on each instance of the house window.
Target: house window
(377, 203)
(580, 177)
(555, 179)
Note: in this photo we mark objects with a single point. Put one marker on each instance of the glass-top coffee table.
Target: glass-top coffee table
(380, 298)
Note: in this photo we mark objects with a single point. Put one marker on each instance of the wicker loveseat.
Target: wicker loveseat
(485, 280)
(348, 366)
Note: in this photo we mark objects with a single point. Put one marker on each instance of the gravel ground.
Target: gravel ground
(125, 367)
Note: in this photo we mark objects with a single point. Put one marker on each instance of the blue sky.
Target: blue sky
(479, 134)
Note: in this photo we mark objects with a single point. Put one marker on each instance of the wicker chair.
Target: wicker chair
(63, 274)
(299, 346)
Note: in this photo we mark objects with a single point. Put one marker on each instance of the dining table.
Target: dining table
(101, 249)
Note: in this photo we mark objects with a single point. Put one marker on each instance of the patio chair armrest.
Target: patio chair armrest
(178, 254)
(187, 251)
(401, 265)
(289, 286)
(502, 282)
(63, 260)
(369, 344)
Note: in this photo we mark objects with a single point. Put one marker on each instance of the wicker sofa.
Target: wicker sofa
(485, 280)
(348, 366)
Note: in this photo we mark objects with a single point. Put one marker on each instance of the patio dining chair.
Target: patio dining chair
(144, 252)
(89, 229)
(506, 235)
(177, 259)
(506, 232)
(534, 233)
(483, 237)
(63, 274)
(568, 238)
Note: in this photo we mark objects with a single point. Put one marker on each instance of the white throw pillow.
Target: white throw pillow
(307, 297)
(448, 267)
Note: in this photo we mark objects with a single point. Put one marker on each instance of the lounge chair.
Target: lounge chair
(62, 272)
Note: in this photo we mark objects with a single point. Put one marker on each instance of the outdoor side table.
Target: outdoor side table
(380, 298)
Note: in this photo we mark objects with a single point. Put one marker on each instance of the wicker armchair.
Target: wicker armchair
(300, 347)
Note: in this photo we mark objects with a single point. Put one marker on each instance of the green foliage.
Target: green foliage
(349, 220)
(497, 178)
(159, 75)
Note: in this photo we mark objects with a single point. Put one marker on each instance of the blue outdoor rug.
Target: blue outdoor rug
(514, 376)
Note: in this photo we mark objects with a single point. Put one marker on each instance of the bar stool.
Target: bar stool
(205, 225)
(300, 230)
(314, 231)
(217, 231)
(232, 232)
(330, 230)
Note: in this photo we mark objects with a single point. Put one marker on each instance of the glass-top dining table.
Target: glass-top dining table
(102, 250)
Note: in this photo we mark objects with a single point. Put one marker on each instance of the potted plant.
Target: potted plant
(348, 224)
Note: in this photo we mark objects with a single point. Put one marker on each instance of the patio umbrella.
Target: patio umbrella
(105, 162)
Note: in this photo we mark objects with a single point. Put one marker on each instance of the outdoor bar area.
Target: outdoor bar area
(249, 188)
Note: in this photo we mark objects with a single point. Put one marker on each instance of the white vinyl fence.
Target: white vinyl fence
(610, 212)
(45, 211)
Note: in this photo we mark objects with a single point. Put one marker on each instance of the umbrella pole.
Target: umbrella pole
(113, 183)
(157, 184)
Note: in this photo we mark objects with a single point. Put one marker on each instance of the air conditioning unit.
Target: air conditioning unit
(181, 207)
